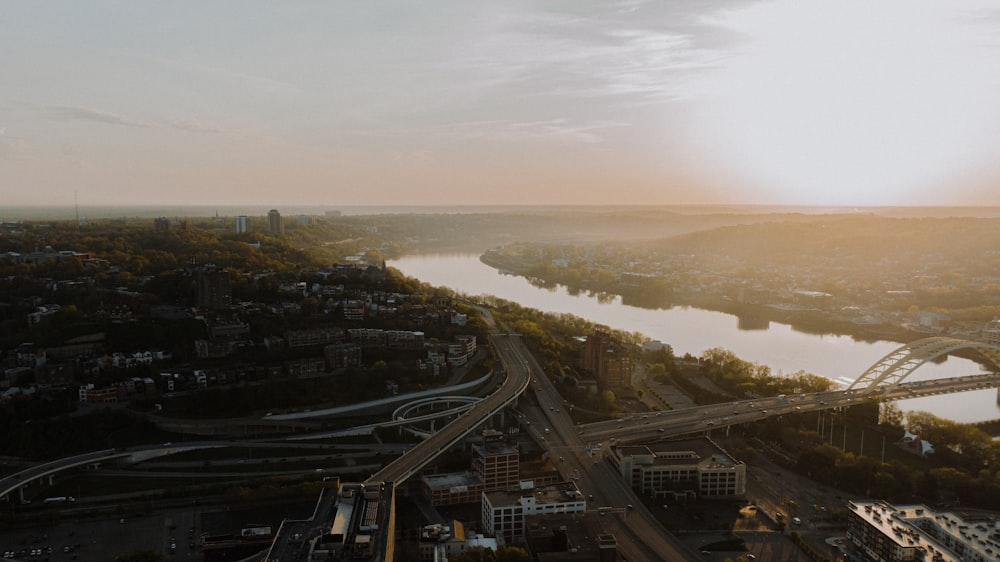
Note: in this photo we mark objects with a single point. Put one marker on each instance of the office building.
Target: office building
(685, 468)
(504, 512)
(608, 360)
(242, 223)
(495, 466)
(213, 288)
(274, 223)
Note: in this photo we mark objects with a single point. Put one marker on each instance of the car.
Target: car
(590, 496)
(661, 430)
(710, 423)
(629, 506)
(750, 556)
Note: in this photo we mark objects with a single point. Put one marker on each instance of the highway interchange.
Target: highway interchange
(545, 417)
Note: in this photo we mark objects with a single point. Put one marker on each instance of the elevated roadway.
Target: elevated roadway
(686, 421)
(17, 481)
(512, 355)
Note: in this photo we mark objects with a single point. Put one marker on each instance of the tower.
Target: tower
(274, 224)
(214, 291)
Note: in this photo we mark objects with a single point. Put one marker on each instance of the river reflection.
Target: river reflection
(693, 331)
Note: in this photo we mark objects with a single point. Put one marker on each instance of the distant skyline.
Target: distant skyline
(437, 103)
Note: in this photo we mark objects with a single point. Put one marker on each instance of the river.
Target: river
(690, 330)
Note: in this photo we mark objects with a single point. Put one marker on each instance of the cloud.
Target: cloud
(192, 125)
(551, 130)
(95, 115)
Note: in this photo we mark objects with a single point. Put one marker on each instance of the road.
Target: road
(685, 421)
(512, 355)
(640, 536)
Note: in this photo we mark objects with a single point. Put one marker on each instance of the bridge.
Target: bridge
(892, 369)
(884, 379)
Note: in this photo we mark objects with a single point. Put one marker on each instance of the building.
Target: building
(404, 340)
(461, 350)
(310, 337)
(439, 542)
(361, 526)
(608, 360)
(342, 355)
(884, 532)
(504, 512)
(573, 537)
(274, 223)
(213, 288)
(161, 224)
(109, 395)
(685, 468)
(242, 223)
(495, 466)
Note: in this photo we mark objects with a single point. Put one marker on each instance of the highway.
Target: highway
(640, 536)
(512, 355)
(686, 421)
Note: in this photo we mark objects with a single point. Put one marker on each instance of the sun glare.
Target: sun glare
(853, 102)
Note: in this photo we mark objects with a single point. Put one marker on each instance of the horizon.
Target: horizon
(106, 212)
(744, 102)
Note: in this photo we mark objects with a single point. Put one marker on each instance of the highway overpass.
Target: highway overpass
(513, 355)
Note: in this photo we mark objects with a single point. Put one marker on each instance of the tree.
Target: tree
(608, 400)
(890, 414)
(512, 554)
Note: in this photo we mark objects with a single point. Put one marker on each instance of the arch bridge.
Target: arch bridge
(891, 370)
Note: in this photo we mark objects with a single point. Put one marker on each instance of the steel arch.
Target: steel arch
(896, 366)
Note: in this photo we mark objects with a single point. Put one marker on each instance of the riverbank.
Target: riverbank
(751, 316)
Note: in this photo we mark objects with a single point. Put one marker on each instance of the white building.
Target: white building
(686, 467)
(504, 512)
(461, 350)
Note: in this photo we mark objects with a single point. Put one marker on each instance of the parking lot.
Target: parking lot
(105, 539)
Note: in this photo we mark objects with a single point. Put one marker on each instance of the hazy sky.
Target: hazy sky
(499, 102)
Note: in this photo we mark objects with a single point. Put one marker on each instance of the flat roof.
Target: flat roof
(700, 451)
(560, 492)
(905, 525)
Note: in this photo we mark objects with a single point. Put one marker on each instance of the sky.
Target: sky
(513, 102)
